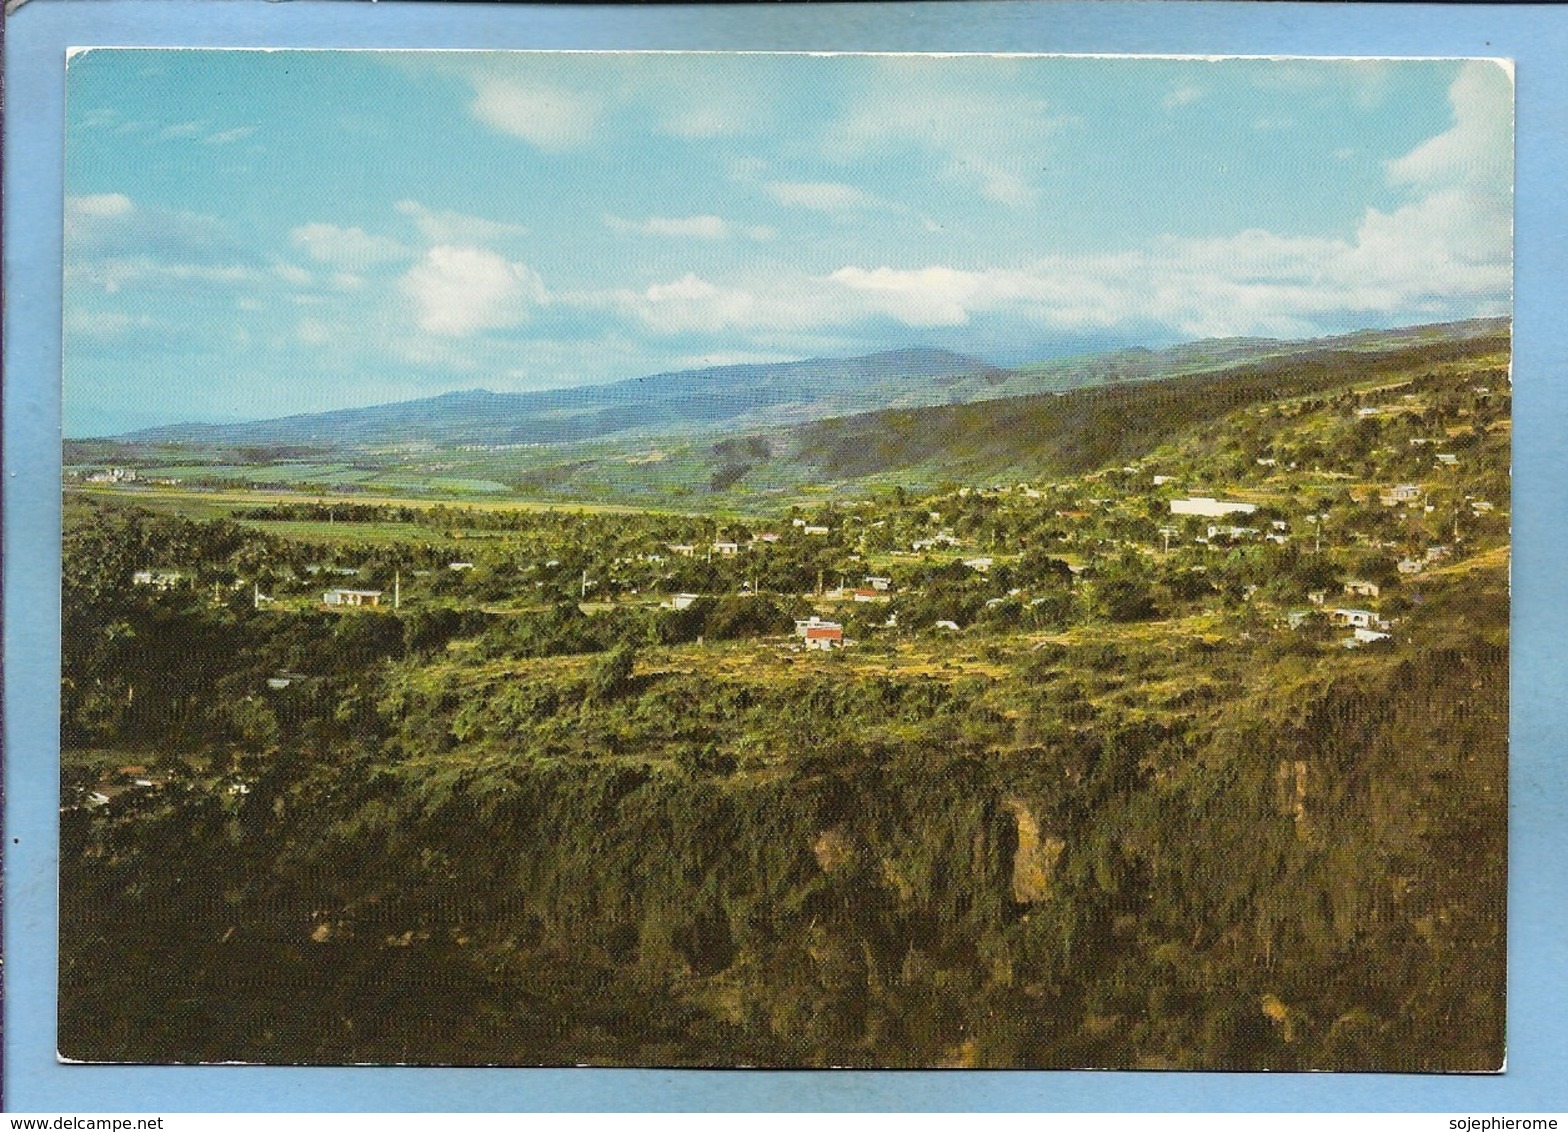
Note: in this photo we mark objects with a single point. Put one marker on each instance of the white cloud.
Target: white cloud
(223, 137)
(293, 274)
(345, 247)
(691, 303)
(461, 290)
(112, 241)
(698, 122)
(928, 296)
(992, 140)
(96, 206)
(549, 117)
(1477, 150)
(314, 332)
(443, 226)
(193, 129)
(690, 227)
(114, 275)
(823, 196)
(109, 326)
(995, 181)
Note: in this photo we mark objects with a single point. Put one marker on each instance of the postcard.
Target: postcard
(785, 560)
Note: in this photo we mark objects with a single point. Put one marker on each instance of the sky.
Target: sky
(252, 234)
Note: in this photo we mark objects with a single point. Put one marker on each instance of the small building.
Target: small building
(805, 626)
(1161, 481)
(682, 601)
(824, 637)
(1211, 508)
(766, 536)
(1357, 618)
(684, 549)
(1364, 636)
(980, 564)
(951, 626)
(1401, 493)
(815, 531)
(726, 549)
(1231, 532)
(1447, 459)
(114, 475)
(459, 566)
(1362, 588)
(881, 585)
(342, 597)
(1411, 565)
(157, 579)
(870, 596)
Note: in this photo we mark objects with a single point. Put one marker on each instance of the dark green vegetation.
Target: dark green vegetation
(1141, 808)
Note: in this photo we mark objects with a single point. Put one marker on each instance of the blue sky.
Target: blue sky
(252, 234)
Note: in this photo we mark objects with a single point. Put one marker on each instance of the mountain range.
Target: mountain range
(749, 397)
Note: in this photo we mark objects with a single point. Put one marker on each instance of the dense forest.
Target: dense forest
(1087, 782)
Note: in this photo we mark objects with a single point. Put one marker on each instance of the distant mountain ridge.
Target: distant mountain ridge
(754, 396)
(750, 394)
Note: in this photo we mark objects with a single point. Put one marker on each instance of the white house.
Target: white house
(726, 549)
(1357, 618)
(682, 601)
(824, 637)
(351, 597)
(1211, 508)
(1401, 493)
(879, 584)
(1231, 532)
(114, 475)
(804, 627)
(157, 579)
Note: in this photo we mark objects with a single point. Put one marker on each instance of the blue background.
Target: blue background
(36, 39)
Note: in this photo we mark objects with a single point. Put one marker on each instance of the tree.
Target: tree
(612, 673)
(1127, 599)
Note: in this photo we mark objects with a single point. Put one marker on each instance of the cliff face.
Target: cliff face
(1314, 876)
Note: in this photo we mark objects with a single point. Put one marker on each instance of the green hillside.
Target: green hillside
(994, 440)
